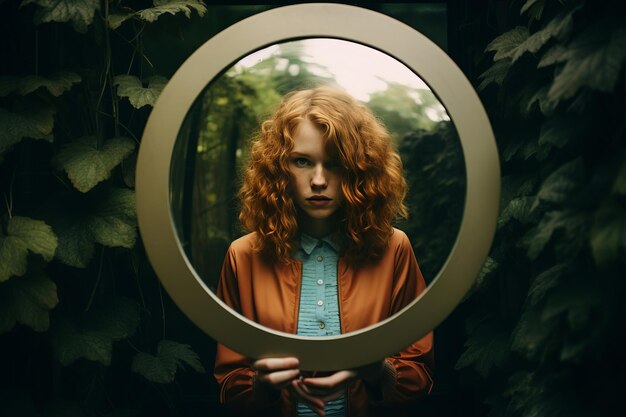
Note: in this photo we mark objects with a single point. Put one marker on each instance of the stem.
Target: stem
(162, 309)
(106, 77)
(93, 291)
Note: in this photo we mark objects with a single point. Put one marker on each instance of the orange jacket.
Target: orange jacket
(270, 294)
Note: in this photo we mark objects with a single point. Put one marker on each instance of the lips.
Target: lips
(319, 198)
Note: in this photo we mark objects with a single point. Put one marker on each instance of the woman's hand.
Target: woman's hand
(318, 390)
(276, 373)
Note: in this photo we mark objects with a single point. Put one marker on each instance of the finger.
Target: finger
(315, 404)
(330, 382)
(278, 378)
(275, 364)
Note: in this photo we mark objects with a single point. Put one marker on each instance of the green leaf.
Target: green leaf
(595, 59)
(79, 12)
(114, 223)
(487, 346)
(619, 184)
(538, 237)
(35, 123)
(24, 235)
(545, 281)
(162, 367)
(56, 83)
(76, 243)
(172, 7)
(554, 55)
(71, 343)
(116, 19)
(92, 338)
(608, 234)
(562, 182)
(138, 95)
(117, 320)
(528, 5)
(561, 131)
(495, 74)
(27, 301)
(533, 337)
(106, 216)
(559, 27)
(506, 44)
(87, 165)
(518, 209)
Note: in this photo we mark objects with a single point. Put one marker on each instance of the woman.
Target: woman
(321, 191)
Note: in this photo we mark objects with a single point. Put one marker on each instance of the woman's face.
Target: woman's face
(316, 180)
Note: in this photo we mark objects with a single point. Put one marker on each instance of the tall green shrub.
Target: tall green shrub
(546, 334)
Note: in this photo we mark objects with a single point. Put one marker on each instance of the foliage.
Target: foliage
(555, 94)
(76, 299)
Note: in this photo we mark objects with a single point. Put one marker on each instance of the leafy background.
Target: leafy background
(85, 328)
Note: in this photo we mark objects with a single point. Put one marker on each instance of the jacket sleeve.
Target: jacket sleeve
(408, 375)
(233, 371)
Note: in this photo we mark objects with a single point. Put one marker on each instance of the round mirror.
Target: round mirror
(196, 141)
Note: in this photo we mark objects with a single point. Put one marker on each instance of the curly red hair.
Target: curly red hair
(372, 183)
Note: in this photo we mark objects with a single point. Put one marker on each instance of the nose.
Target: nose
(319, 177)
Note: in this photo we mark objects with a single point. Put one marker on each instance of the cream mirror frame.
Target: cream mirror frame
(480, 213)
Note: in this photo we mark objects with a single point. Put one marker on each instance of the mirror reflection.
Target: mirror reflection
(213, 147)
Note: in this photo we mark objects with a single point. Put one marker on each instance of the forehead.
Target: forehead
(308, 139)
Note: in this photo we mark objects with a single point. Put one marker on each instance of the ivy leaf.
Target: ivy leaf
(114, 222)
(71, 343)
(79, 12)
(506, 44)
(518, 209)
(87, 165)
(105, 216)
(92, 338)
(608, 234)
(562, 182)
(35, 123)
(487, 346)
(559, 27)
(117, 320)
(138, 95)
(116, 19)
(56, 83)
(595, 59)
(539, 236)
(528, 5)
(27, 301)
(619, 184)
(162, 367)
(561, 131)
(495, 74)
(545, 281)
(24, 235)
(172, 7)
(554, 55)
(533, 337)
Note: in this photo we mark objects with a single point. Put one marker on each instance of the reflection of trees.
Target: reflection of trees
(215, 138)
(435, 173)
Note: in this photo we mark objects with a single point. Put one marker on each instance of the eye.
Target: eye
(333, 165)
(301, 162)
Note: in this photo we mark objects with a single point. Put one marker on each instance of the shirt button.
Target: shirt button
(320, 302)
(320, 258)
(320, 281)
(322, 325)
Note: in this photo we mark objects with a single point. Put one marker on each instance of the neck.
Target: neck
(317, 228)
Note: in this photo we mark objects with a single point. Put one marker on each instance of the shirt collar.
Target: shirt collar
(308, 243)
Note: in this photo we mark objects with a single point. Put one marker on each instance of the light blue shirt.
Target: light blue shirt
(319, 306)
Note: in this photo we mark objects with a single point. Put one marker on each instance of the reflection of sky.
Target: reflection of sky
(359, 69)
